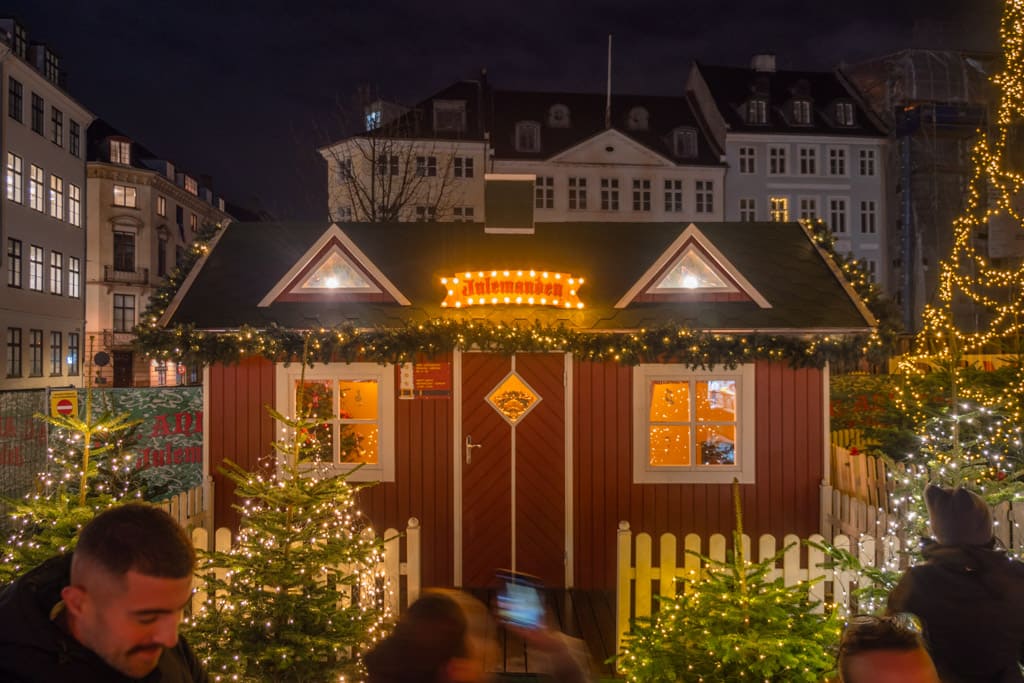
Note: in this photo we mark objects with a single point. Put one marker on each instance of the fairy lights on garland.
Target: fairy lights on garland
(670, 342)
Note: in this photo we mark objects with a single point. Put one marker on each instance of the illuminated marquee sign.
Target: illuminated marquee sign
(522, 287)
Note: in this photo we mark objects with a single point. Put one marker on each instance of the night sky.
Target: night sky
(246, 91)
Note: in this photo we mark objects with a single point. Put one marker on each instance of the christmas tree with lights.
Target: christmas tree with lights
(298, 594)
(734, 623)
(90, 473)
(975, 439)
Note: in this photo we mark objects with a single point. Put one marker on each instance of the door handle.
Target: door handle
(469, 448)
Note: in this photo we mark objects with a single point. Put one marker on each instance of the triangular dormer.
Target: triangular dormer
(692, 269)
(334, 269)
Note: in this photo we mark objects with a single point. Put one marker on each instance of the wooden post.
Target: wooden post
(413, 573)
(623, 575)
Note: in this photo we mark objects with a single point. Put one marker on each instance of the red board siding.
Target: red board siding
(784, 499)
(241, 430)
(239, 427)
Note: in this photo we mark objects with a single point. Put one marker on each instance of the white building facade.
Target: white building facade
(42, 218)
(800, 145)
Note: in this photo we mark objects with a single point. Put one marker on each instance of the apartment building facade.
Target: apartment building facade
(800, 145)
(42, 217)
(143, 215)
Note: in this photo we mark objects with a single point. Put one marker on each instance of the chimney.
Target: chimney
(764, 63)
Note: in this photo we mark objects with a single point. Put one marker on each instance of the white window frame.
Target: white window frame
(808, 160)
(808, 205)
(777, 160)
(746, 423)
(748, 160)
(527, 136)
(449, 116)
(748, 209)
(120, 152)
(867, 162)
(384, 469)
(838, 162)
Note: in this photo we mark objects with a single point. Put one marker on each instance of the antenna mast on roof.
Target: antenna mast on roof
(608, 96)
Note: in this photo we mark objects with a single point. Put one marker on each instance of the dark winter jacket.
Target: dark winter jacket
(34, 649)
(970, 601)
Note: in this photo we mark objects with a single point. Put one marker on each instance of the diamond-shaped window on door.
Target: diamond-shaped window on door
(513, 398)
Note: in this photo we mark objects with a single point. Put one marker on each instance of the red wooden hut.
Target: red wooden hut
(557, 379)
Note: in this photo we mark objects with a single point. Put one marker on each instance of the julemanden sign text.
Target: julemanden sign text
(515, 287)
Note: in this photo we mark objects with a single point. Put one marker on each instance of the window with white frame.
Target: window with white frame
(387, 164)
(802, 112)
(693, 426)
(748, 209)
(161, 206)
(673, 196)
(808, 161)
(808, 208)
(57, 126)
(14, 178)
(72, 353)
(56, 354)
(35, 353)
(193, 222)
(757, 111)
(837, 161)
(867, 162)
(426, 213)
(35, 268)
(463, 214)
(125, 195)
(641, 194)
(704, 195)
(837, 214)
(776, 161)
(463, 167)
(57, 197)
(74, 205)
(609, 194)
(191, 186)
(527, 136)
(684, 142)
(871, 267)
(124, 251)
(37, 114)
(426, 166)
(867, 216)
(354, 408)
(74, 277)
(558, 116)
(13, 262)
(778, 209)
(120, 152)
(747, 160)
(35, 188)
(75, 139)
(544, 193)
(56, 272)
(577, 193)
(844, 113)
(14, 352)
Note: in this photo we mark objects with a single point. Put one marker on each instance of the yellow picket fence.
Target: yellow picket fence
(397, 593)
(640, 577)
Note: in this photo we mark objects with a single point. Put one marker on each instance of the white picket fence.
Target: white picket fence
(639, 580)
(192, 508)
(391, 568)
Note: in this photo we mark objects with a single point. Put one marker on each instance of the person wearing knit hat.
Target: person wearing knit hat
(968, 595)
(958, 516)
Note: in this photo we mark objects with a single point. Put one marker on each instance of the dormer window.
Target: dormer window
(527, 136)
(120, 152)
(638, 119)
(757, 111)
(558, 116)
(684, 143)
(844, 113)
(449, 116)
(191, 186)
(802, 112)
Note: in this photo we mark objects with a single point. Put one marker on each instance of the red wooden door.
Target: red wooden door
(513, 466)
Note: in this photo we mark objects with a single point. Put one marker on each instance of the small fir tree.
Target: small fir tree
(90, 474)
(274, 609)
(734, 624)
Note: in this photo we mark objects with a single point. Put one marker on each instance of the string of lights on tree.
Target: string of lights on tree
(300, 592)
